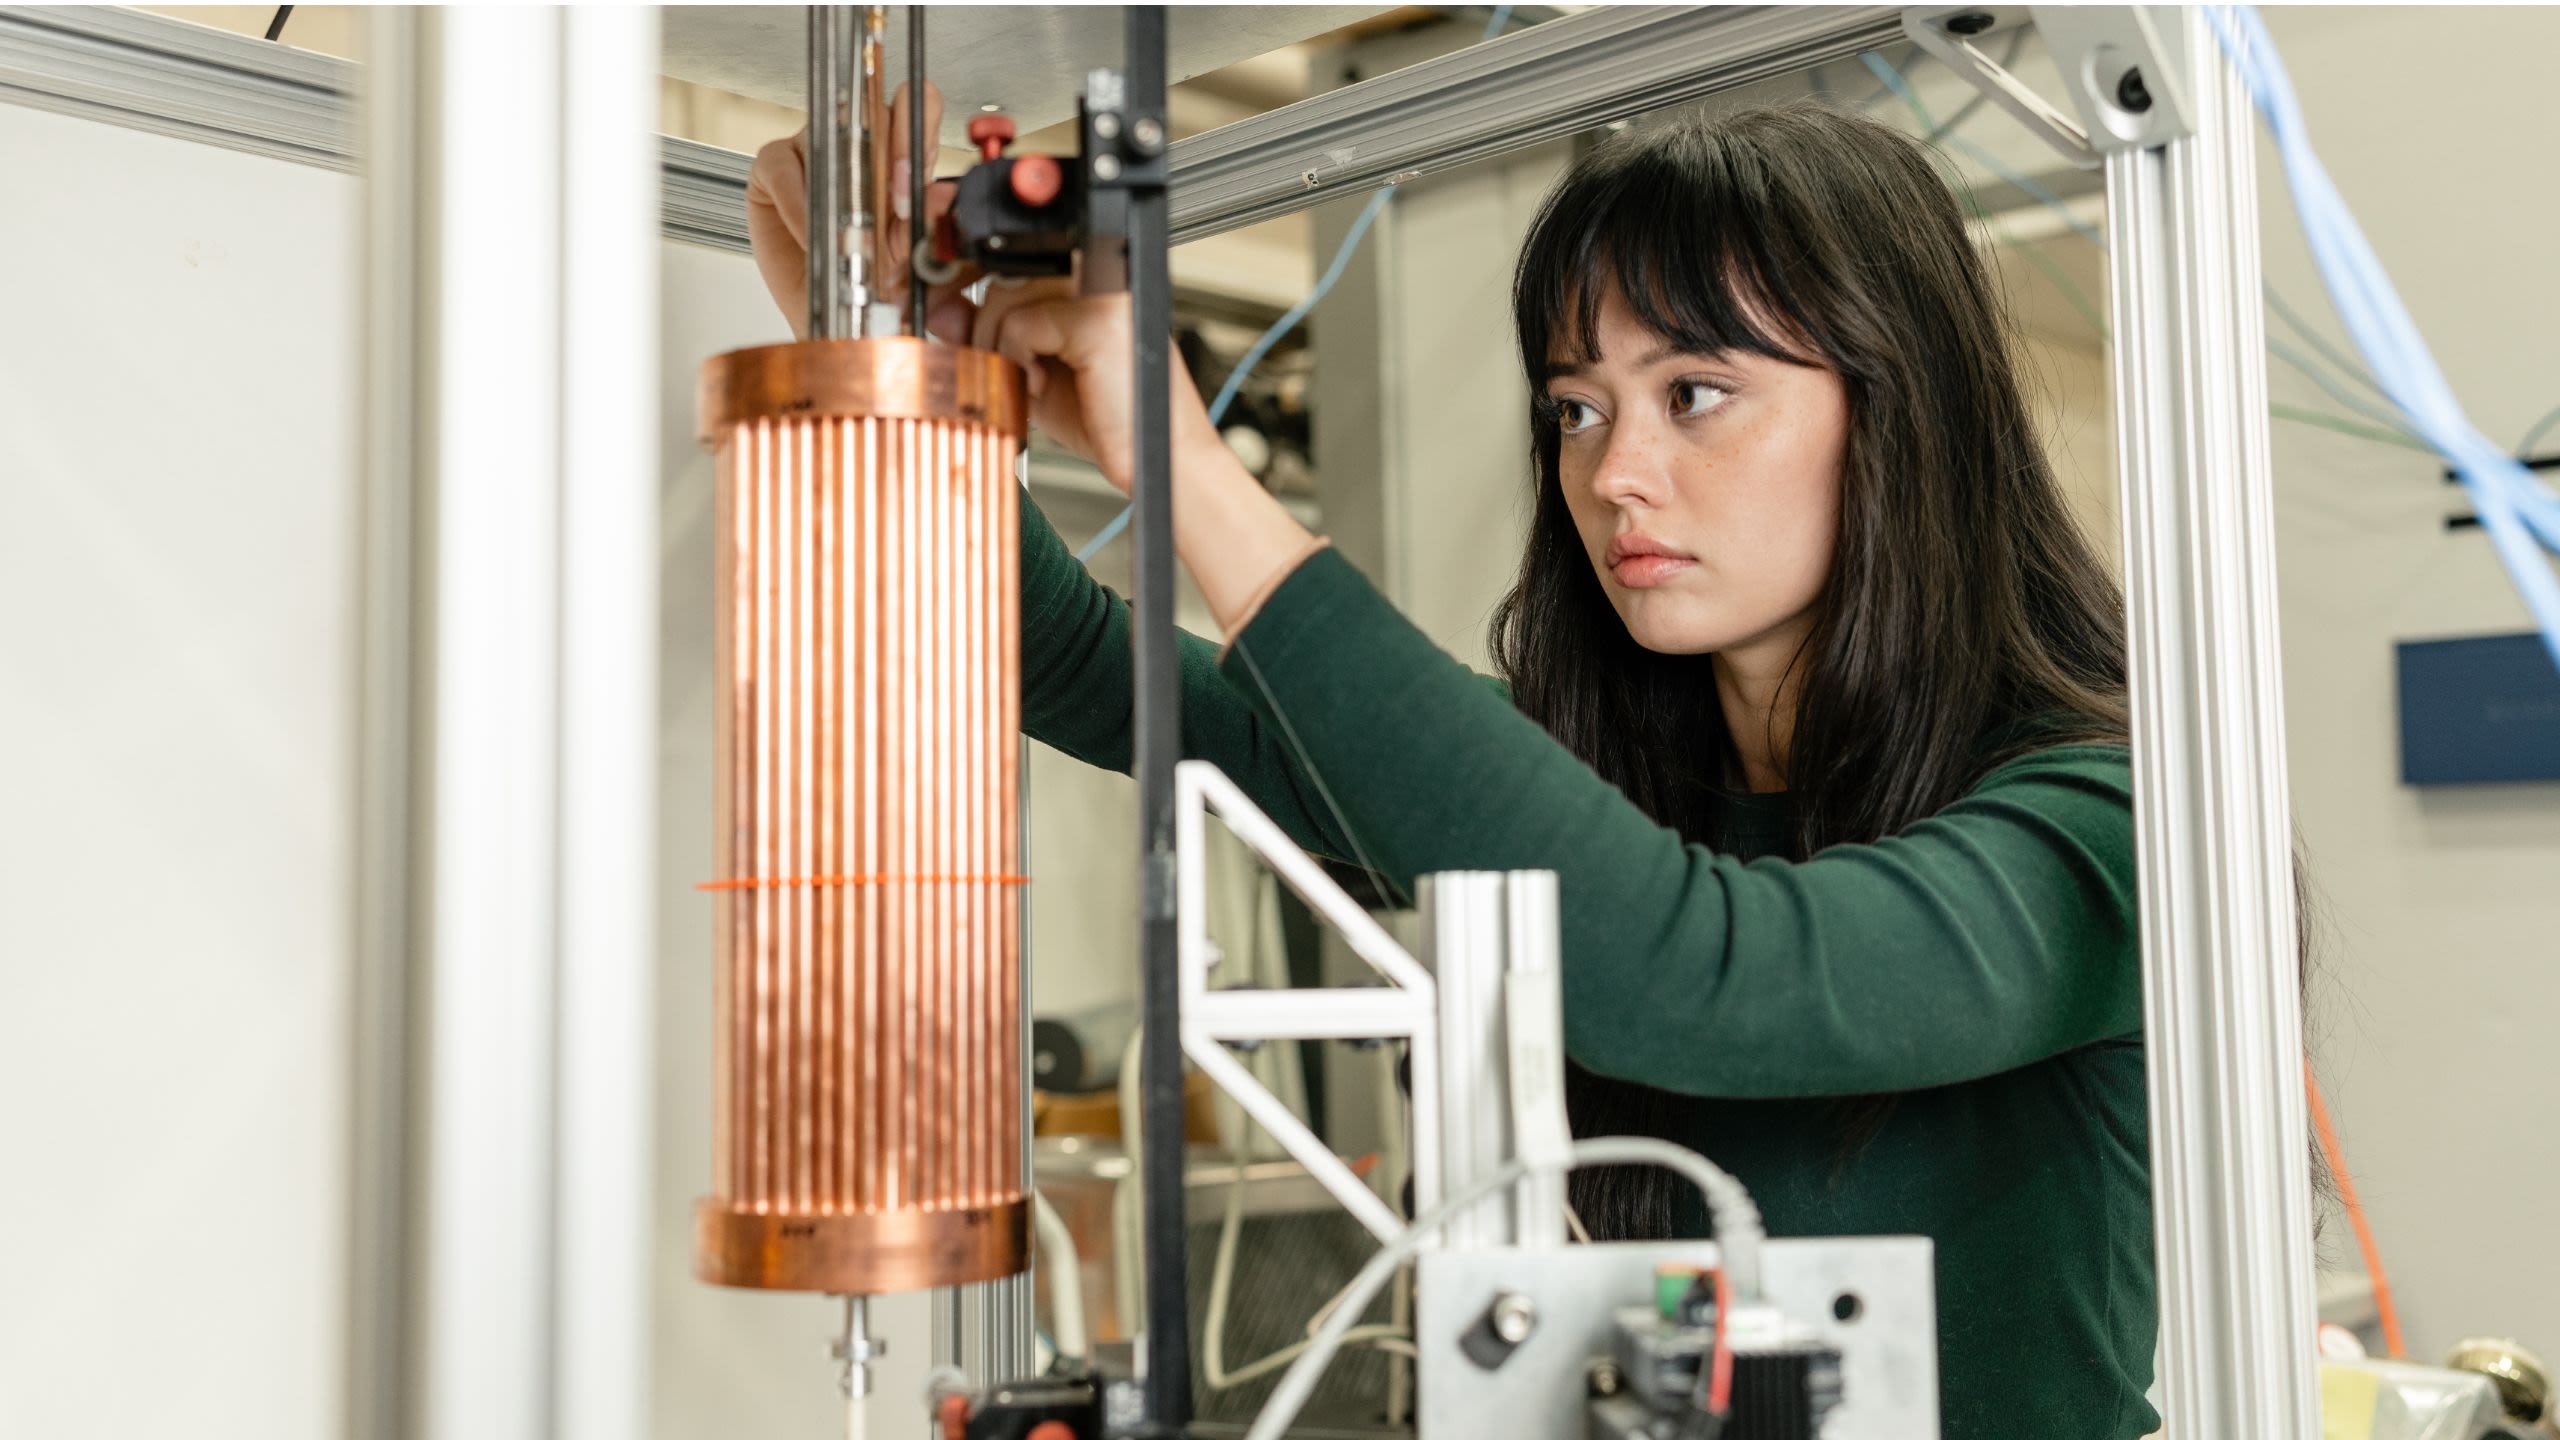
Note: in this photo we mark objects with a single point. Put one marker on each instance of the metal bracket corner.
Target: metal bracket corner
(2129, 87)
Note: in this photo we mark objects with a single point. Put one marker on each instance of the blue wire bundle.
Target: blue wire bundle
(2520, 512)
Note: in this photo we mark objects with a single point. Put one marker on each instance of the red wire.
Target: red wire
(1720, 1359)
(2384, 1311)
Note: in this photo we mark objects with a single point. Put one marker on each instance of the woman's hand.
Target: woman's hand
(778, 224)
(1076, 353)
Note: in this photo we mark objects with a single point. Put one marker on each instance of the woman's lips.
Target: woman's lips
(1643, 572)
(1641, 562)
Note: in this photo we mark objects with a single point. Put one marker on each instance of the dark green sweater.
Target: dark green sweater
(1981, 966)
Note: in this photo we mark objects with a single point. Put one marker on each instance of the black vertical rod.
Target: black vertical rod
(1158, 746)
(832, 141)
(922, 148)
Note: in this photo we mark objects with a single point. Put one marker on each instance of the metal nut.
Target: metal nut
(1514, 1317)
(1106, 167)
(2132, 94)
(1603, 1377)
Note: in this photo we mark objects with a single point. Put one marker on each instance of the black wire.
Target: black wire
(920, 157)
(275, 27)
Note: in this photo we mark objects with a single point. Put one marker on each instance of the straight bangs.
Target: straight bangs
(1651, 223)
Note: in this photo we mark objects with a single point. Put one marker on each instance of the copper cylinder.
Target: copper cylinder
(868, 1121)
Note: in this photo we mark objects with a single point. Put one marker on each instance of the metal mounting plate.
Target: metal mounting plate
(1889, 1351)
(2128, 88)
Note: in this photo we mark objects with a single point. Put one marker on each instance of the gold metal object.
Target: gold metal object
(868, 1117)
(2522, 1380)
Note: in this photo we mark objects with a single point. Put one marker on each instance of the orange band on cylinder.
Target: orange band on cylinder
(762, 882)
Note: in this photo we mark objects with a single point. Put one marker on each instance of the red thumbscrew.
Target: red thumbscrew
(991, 133)
(1036, 180)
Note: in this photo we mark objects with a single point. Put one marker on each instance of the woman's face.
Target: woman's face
(1706, 488)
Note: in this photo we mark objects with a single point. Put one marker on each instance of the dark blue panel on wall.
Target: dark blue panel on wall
(2478, 711)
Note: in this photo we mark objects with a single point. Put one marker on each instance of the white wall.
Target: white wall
(177, 717)
(2441, 957)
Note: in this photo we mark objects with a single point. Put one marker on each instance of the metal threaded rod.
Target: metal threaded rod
(921, 148)
(831, 146)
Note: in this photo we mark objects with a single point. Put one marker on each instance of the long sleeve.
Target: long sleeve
(1992, 935)
(1076, 674)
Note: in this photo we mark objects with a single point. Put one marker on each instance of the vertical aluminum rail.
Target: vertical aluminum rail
(1489, 937)
(2222, 999)
(512, 342)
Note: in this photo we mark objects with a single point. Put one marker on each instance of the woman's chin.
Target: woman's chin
(1672, 625)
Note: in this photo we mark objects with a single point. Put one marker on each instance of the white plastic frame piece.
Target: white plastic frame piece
(1406, 1008)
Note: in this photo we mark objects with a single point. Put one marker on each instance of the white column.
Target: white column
(2222, 999)
(513, 344)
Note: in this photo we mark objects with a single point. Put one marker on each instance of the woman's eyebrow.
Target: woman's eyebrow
(1667, 350)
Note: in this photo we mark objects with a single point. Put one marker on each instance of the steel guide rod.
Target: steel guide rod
(2222, 1017)
(832, 145)
(1156, 750)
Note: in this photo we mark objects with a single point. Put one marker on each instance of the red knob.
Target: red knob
(1052, 1430)
(991, 133)
(1037, 180)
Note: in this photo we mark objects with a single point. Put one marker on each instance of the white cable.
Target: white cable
(1213, 1338)
(1066, 1280)
(1738, 1232)
(1222, 1271)
(1128, 1258)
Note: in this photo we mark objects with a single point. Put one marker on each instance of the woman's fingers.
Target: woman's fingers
(901, 127)
(1003, 299)
(1028, 334)
(895, 223)
(778, 182)
(950, 317)
(778, 223)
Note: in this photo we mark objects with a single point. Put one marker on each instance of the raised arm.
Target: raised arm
(1997, 933)
(1076, 671)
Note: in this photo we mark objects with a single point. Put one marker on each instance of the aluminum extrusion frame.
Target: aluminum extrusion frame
(2222, 1016)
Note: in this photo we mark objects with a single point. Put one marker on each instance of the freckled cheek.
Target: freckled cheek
(1767, 512)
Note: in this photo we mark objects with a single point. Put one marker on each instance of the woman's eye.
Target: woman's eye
(1572, 416)
(1694, 397)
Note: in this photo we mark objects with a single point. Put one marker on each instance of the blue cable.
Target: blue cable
(1900, 85)
(1281, 327)
(2517, 509)
(1244, 368)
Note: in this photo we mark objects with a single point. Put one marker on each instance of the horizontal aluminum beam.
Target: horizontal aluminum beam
(168, 77)
(1531, 86)
(1587, 69)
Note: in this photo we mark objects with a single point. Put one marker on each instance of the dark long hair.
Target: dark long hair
(1966, 618)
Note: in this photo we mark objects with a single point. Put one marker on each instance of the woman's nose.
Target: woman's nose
(1633, 471)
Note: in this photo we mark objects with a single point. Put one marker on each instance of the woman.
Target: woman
(1815, 704)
